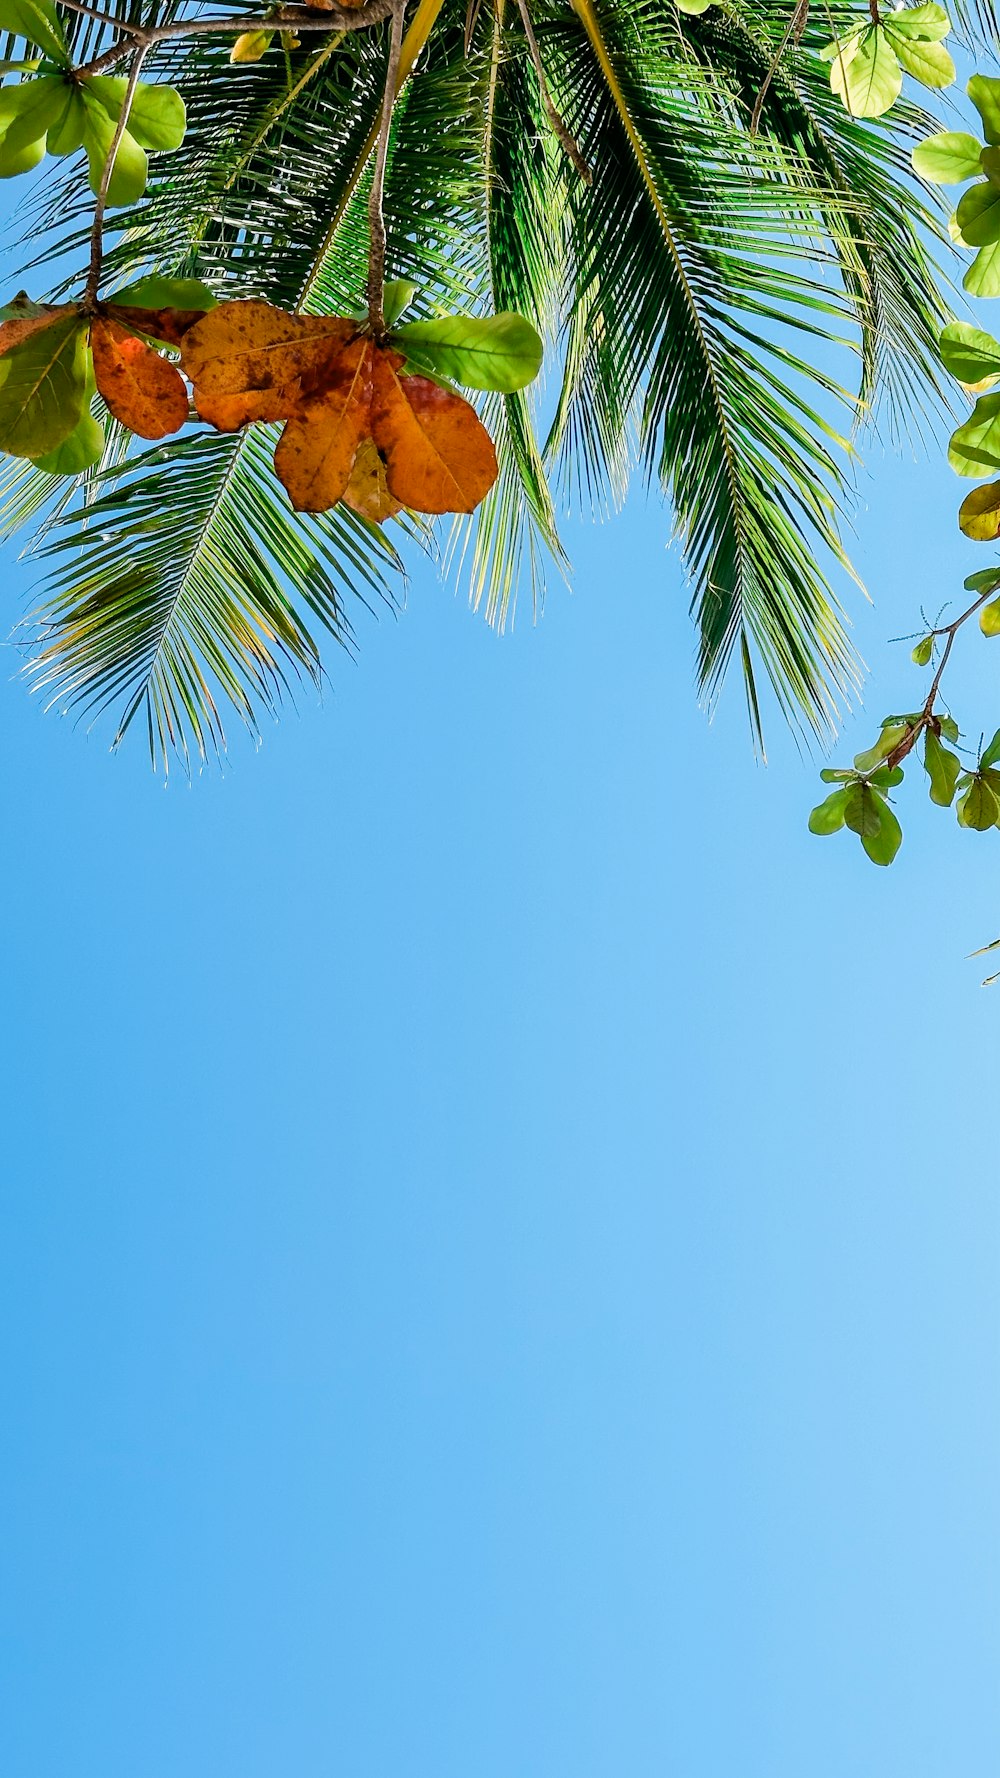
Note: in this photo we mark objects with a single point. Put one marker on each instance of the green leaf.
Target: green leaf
(20, 159)
(43, 387)
(983, 275)
(978, 214)
(984, 91)
(500, 352)
(694, 7)
(862, 813)
(927, 24)
(828, 817)
(396, 298)
(985, 580)
(37, 22)
(989, 618)
(165, 293)
(66, 134)
(128, 180)
(949, 158)
(921, 655)
(978, 807)
(975, 447)
(942, 768)
(979, 513)
(870, 80)
(157, 117)
(991, 754)
(948, 727)
(929, 63)
(888, 739)
(81, 450)
(887, 778)
(882, 845)
(969, 353)
(836, 775)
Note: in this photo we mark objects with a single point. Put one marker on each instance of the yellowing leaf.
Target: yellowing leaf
(979, 513)
(139, 387)
(247, 360)
(870, 80)
(316, 454)
(367, 492)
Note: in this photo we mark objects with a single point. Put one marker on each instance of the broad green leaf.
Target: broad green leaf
(983, 275)
(835, 775)
(157, 118)
(975, 447)
(22, 159)
(43, 388)
(882, 845)
(83, 448)
(984, 91)
(979, 516)
(41, 104)
(948, 158)
(128, 179)
(37, 22)
(920, 656)
(694, 7)
(991, 754)
(942, 768)
(969, 353)
(870, 80)
(930, 63)
(501, 352)
(396, 298)
(861, 812)
(842, 48)
(886, 778)
(985, 580)
(828, 816)
(978, 807)
(978, 214)
(66, 134)
(948, 727)
(955, 232)
(165, 293)
(888, 739)
(925, 23)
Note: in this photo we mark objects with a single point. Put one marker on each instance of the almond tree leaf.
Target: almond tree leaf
(66, 134)
(251, 46)
(828, 817)
(984, 91)
(140, 388)
(926, 24)
(439, 456)
(978, 807)
(316, 453)
(81, 450)
(157, 118)
(37, 22)
(979, 518)
(991, 754)
(985, 580)
(169, 293)
(942, 768)
(883, 844)
(501, 352)
(367, 492)
(20, 159)
(949, 158)
(978, 214)
(35, 106)
(131, 170)
(975, 447)
(930, 63)
(396, 299)
(969, 353)
(983, 275)
(43, 384)
(246, 361)
(870, 80)
(861, 813)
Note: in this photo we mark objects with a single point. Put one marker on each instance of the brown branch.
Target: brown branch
(289, 18)
(97, 229)
(794, 29)
(927, 717)
(376, 216)
(558, 123)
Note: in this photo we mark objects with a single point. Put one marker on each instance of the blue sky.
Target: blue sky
(499, 1229)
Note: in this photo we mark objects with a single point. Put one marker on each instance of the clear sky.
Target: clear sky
(500, 1226)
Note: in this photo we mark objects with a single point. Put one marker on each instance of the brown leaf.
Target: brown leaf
(159, 324)
(15, 332)
(316, 454)
(438, 455)
(367, 492)
(141, 389)
(247, 361)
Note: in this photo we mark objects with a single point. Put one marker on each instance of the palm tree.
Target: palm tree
(739, 233)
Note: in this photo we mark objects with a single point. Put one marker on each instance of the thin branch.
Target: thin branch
(376, 217)
(97, 229)
(794, 29)
(927, 717)
(289, 18)
(558, 123)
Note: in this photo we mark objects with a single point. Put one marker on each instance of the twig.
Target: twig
(558, 123)
(909, 740)
(289, 18)
(794, 29)
(97, 229)
(376, 217)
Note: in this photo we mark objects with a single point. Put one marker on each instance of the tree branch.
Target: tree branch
(97, 229)
(289, 18)
(376, 217)
(558, 123)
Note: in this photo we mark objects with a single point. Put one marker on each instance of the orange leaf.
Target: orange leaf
(367, 492)
(160, 324)
(438, 455)
(141, 389)
(247, 361)
(15, 332)
(316, 453)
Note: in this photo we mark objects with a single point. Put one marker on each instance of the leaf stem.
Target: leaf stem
(376, 216)
(97, 227)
